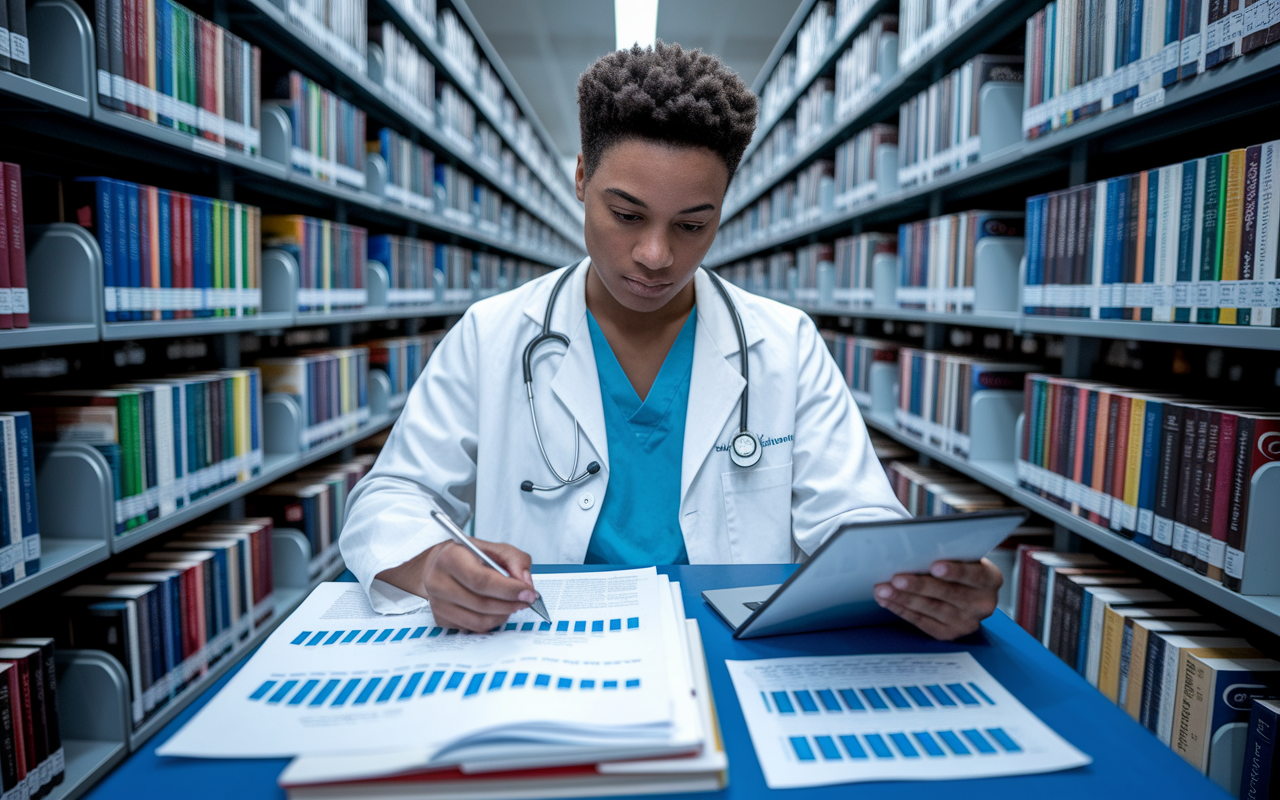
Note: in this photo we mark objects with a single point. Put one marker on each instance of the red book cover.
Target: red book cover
(13, 677)
(175, 246)
(1028, 585)
(6, 296)
(1217, 527)
(17, 246)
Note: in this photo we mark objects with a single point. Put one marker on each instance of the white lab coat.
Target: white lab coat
(464, 442)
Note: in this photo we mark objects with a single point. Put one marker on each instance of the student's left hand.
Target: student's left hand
(950, 602)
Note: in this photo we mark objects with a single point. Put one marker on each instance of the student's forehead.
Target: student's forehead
(662, 168)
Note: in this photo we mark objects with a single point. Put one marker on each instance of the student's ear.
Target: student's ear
(580, 180)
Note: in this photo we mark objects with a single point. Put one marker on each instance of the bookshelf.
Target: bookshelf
(57, 112)
(1186, 115)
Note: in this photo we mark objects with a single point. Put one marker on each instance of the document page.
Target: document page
(336, 676)
(823, 720)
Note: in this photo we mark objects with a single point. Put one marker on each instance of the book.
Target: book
(1259, 779)
(16, 233)
(45, 687)
(1216, 690)
(22, 550)
(938, 258)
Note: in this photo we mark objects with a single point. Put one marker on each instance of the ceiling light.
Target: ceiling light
(635, 22)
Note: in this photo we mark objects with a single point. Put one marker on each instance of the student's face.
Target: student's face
(652, 211)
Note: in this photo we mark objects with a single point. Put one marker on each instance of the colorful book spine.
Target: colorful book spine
(330, 388)
(938, 258)
(330, 256)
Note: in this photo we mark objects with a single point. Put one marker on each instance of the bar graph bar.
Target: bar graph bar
(564, 683)
(315, 640)
(301, 695)
(433, 682)
(262, 690)
(369, 688)
(542, 681)
(874, 699)
(562, 626)
(963, 694)
(805, 699)
(301, 638)
(400, 634)
(346, 692)
(519, 679)
(284, 689)
(396, 636)
(896, 697)
(455, 680)
(411, 685)
(335, 637)
(473, 685)
(390, 688)
(495, 683)
(324, 692)
(903, 744)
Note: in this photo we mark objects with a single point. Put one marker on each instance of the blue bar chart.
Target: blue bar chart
(410, 634)
(841, 719)
(372, 690)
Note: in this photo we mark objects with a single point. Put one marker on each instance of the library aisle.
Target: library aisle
(1040, 241)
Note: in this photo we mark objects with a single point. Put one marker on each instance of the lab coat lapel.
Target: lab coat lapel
(577, 382)
(715, 384)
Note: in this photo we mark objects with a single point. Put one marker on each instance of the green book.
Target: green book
(1211, 232)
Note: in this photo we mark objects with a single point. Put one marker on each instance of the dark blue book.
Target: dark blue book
(165, 241)
(164, 59)
(1259, 780)
(92, 203)
(133, 236)
(1172, 35)
(1153, 416)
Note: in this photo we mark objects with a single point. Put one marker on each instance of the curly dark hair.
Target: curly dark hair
(667, 94)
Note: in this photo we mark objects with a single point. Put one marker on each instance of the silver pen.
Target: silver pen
(539, 607)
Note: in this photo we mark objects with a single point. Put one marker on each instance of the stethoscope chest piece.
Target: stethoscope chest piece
(745, 449)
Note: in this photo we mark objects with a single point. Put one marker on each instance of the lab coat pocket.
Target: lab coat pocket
(757, 506)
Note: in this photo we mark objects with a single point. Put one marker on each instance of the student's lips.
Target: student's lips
(646, 289)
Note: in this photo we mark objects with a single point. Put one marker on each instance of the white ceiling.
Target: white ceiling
(547, 43)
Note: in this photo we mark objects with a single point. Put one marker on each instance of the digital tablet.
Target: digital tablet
(834, 588)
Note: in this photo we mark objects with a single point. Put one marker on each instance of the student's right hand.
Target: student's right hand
(464, 591)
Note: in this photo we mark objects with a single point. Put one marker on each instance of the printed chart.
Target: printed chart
(843, 719)
(337, 672)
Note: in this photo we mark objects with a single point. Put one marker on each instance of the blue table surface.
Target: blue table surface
(1127, 760)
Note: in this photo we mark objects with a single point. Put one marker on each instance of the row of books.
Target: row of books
(938, 128)
(16, 57)
(314, 502)
(807, 197)
(458, 44)
(924, 25)
(328, 132)
(814, 37)
(402, 360)
(859, 73)
(171, 613)
(163, 63)
(330, 387)
(340, 26)
(773, 153)
(1174, 475)
(1083, 63)
(936, 392)
(937, 258)
(32, 758)
(167, 442)
(856, 175)
(932, 491)
(411, 170)
(330, 257)
(19, 512)
(407, 75)
(856, 356)
(850, 260)
(815, 111)
(170, 255)
(1190, 242)
(15, 306)
(1165, 664)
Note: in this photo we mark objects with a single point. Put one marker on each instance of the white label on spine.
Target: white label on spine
(4, 41)
(1163, 531)
(1234, 563)
(6, 301)
(18, 48)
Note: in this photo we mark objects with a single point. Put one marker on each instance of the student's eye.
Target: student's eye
(690, 227)
(627, 217)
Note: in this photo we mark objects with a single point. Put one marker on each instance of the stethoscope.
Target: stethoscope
(744, 449)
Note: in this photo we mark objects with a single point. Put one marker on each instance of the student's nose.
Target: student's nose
(653, 250)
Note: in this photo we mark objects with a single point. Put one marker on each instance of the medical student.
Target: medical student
(643, 436)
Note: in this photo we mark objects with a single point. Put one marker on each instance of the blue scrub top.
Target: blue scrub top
(639, 520)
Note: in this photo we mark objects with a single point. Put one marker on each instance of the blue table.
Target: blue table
(1127, 760)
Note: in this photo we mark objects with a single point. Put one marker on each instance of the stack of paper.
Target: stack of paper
(389, 706)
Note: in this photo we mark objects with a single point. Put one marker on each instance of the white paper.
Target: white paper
(337, 677)
(822, 720)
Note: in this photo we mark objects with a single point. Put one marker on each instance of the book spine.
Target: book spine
(1256, 782)
(6, 293)
(12, 174)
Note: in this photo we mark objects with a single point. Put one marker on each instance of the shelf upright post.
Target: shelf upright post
(1079, 355)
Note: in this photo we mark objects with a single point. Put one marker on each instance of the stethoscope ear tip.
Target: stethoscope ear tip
(527, 486)
(593, 467)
